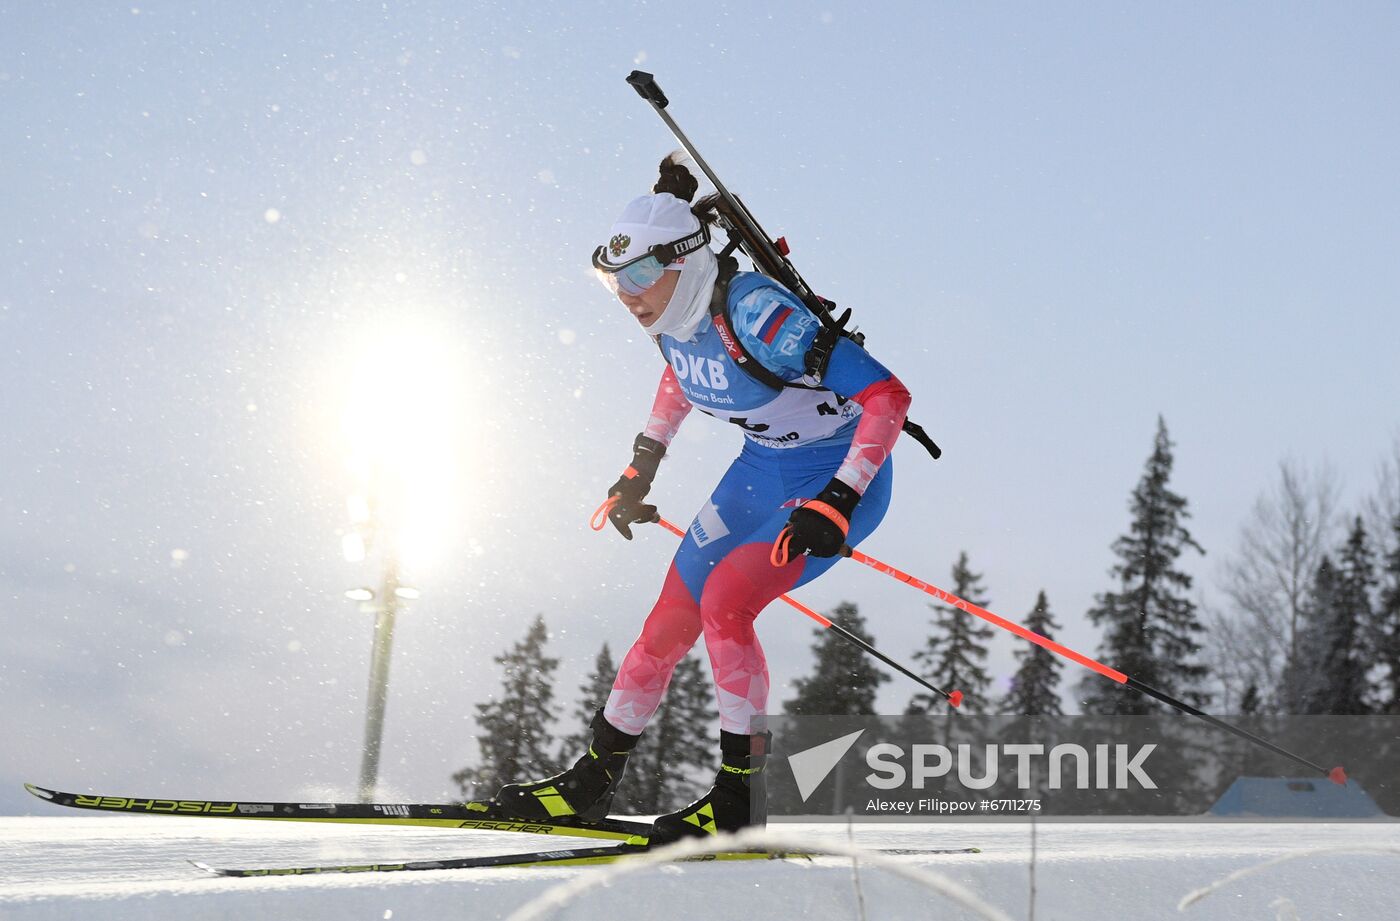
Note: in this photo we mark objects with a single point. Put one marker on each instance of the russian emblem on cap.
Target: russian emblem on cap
(618, 244)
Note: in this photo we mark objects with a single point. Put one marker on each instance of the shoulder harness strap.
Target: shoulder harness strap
(719, 316)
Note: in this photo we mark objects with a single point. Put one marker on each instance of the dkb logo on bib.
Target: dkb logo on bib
(700, 371)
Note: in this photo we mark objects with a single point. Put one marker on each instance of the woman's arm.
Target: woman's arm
(884, 406)
(668, 411)
(884, 402)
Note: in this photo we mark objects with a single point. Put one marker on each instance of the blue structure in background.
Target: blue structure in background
(1295, 797)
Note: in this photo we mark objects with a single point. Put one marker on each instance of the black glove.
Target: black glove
(634, 484)
(814, 527)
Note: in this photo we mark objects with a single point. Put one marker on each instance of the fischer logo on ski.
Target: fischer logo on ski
(474, 815)
(130, 804)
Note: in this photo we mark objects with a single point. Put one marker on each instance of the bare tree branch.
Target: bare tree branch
(1383, 506)
(1280, 546)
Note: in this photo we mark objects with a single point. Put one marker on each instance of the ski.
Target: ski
(577, 857)
(476, 815)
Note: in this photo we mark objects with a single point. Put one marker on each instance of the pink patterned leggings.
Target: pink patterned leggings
(719, 581)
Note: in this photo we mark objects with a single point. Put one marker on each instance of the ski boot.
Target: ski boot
(584, 791)
(738, 799)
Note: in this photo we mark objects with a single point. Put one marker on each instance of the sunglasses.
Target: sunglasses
(635, 276)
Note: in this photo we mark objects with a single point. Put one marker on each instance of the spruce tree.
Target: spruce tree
(953, 655)
(592, 694)
(1305, 683)
(1388, 623)
(515, 737)
(677, 748)
(845, 679)
(1330, 673)
(1150, 623)
(1034, 687)
(1355, 624)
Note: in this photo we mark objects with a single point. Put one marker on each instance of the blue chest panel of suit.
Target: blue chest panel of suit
(776, 329)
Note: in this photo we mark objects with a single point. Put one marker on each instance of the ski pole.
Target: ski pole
(954, 698)
(1337, 774)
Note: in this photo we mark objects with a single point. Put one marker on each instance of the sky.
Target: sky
(222, 222)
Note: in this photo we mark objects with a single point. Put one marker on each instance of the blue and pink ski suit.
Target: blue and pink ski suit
(795, 441)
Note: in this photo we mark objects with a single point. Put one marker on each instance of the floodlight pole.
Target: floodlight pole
(386, 610)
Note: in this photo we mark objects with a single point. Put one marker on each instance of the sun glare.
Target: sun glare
(403, 429)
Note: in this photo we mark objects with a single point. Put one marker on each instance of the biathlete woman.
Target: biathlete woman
(814, 474)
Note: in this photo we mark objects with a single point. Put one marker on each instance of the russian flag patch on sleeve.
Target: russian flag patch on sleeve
(768, 329)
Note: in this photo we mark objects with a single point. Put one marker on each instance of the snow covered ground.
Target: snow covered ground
(119, 868)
